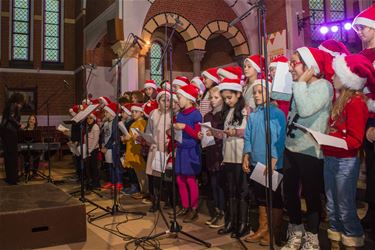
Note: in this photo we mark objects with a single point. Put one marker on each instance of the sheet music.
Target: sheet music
(160, 161)
(258, 176)
(211, 128)
(323, 139)
(62, 129)
(122, 128)
(206, 140)
(84, 113)
(178, 135)
(283, 80)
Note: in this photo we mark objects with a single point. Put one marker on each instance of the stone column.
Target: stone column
(196, 57)
(141, 70)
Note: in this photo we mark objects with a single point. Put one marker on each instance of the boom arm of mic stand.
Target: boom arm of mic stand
(166, 47)
(134, 42)
(244, 15)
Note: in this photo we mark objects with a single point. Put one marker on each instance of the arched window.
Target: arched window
(20, 45)
(52, 31)
(155, 56)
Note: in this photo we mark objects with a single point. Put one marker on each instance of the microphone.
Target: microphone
(90, 66)
(176, 18)
(137, 39)
(67, 84)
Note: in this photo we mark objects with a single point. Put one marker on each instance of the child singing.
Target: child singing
(210, 80)
(253, 67)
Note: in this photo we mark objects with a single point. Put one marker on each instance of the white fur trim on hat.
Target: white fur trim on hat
(178, 82)
(333, 235)
(353, 241)
(347, 77)
(150, 85)
(186, 95)
(263, 83)
(309, 59)
(71, 112)
(273, 65)
(109, 110)
(253, 64)
(161, 93)
(230, 86)
(209, 76)
(226, 74)
(127, 111)
(136, 108)
(363, 21)
(332, 53)
(371, 105)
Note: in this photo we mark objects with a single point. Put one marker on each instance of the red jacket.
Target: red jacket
(350, 126)
(370, 92)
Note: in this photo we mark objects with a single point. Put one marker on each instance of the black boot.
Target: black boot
(242, 228)
(369, 220)
(230, 223)
(155, 204)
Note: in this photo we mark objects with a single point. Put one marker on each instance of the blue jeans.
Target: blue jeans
(216, 179)
(340, 179)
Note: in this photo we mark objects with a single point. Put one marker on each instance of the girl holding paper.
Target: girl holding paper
(341, 167)
(255, 152)
(303, 166)
(188, 155)
(158, 123)
(210, 80)
(235, 118)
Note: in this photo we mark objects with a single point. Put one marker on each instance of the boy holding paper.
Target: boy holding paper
(341, 167)
(255, 152)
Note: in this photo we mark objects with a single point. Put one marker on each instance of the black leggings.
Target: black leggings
(237, 186)
(92, 169)
(304, 171)
(261, 195)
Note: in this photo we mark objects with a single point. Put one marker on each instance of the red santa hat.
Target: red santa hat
(334, 48)
(95, 101)
(365, 18)
(277, 59)
(190, 92)
(126, 108)
(150, 84)
(165, 85)
(230, 84)
(212, 74)
(111, 108)
(161, 93)
(105, 100)
(257, 62)
(181, 81)
(175, 98)
(198, 82)
(149, 106)
(263, 83)
(137, 107)
(75, 109)
(95, 115)
(354, 71)
(319, 60)
(231, 72)
(87, 101)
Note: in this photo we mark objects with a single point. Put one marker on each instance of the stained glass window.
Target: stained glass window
(21, 30)
(317, 13)
(52, 30)
(155, 55)
(337, 12)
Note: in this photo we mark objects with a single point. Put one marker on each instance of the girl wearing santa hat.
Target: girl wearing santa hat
(303, 166)
(210, 80)
(255, 152)
(341, 166)
(235, 119)
(91, 167)
(364, 25)
(150, 90)
(253, 67)
(133, 157)
(188, 155)
(158, 123)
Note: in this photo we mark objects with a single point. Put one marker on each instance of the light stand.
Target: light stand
(175, 228)
(115, 209)
(262, 36)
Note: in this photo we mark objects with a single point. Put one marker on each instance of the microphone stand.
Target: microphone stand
(262, 35)
(175, 228)
(115, 209)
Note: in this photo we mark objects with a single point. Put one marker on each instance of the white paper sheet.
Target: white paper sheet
(211, 128)
(160, 162)
(206, 140)
(84, 151)
(122, 128)
(178, 135)
(148, 138)
(258, 176)
(73, 148)
(62, 129)
(84, 113)
(283, 80)
(323, 139)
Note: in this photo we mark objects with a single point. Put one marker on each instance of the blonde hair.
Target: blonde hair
(345, 95)
(214, 89)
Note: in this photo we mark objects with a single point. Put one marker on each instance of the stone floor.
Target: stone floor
(116, 232)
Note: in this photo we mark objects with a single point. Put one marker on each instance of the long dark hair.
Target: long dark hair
(237, 115)
(15, 98)
(36, 121)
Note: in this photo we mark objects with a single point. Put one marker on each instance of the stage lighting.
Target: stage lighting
(334, 28)
(324, 30)
(347, 26)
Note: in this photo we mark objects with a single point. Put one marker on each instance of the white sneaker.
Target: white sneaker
(310, 241)
(295, 233)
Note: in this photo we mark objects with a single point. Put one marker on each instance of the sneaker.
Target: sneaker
(191, 216)
(295, 233)
(131, 190)
(213, 218)
(146, 201)
(219, 221)
(180, 213)
(137, 196)
(310, 242)
(108, 185)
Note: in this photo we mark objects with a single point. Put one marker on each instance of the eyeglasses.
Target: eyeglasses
(293, 64)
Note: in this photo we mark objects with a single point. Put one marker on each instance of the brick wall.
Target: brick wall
(275, 15)
(218, 52)
(95, 7)
(102, 55)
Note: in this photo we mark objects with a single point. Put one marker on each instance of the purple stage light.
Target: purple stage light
(334, 28)
(324, 30)
(347, 26)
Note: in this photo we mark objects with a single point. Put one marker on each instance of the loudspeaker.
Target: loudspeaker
(39, 215)
(115, 30)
